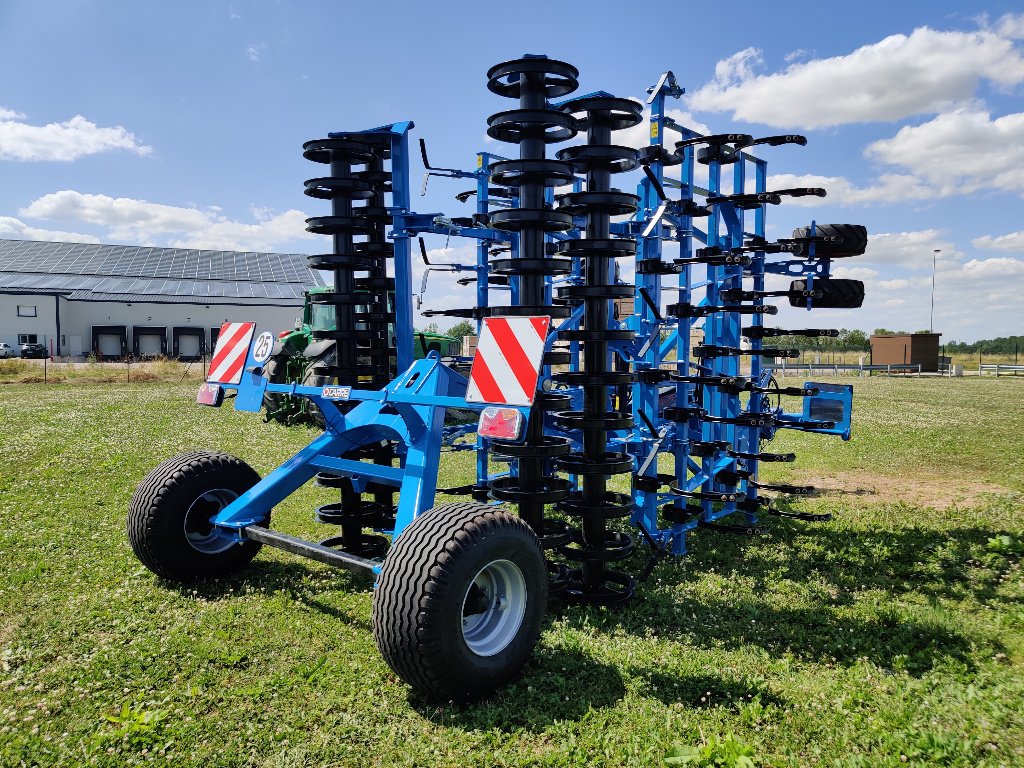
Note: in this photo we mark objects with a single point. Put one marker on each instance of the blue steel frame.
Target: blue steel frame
(410, 410)
(657, 336)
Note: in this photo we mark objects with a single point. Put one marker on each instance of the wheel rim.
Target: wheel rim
(201, 534)
(493, 608)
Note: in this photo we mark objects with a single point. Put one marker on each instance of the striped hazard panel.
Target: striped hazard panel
(508, 360)
(230, 353)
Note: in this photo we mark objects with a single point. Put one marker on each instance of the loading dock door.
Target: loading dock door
(188, 343)
(110, 342)
(149, 341)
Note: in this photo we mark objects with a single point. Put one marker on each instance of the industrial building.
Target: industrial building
(118, 300)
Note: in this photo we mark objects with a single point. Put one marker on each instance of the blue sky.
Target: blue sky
(182, 123)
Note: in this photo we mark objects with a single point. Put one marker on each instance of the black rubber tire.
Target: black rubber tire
(156, 515)
(274, 373)
(853, 243)
(836, 293)
(314, 377)
(420, 595)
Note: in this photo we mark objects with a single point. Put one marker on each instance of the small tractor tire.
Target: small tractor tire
(459, 603)
(168, 517)
(853, 240)
(835, 293)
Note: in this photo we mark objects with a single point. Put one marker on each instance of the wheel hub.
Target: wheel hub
(200, 532)
(493, 608)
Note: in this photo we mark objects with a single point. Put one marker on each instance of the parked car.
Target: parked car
(6, 350)
(37, 351)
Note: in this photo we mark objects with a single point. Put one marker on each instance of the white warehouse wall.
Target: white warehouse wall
(43, 325)
(77, 319)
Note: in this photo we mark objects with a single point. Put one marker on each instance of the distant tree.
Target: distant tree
(460, 329)
(432, 328)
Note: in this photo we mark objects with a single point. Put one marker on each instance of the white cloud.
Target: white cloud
(960, 151)
(902, 75)
(904, 303)
(1011, 25)
(995, 268)
(909, 249)
(63, 142)
(140, 221)
(888, 188)
(15, 229)
(854, 273)
(1014, 241)
(639, 135)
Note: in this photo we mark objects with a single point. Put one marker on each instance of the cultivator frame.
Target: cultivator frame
(604, 398)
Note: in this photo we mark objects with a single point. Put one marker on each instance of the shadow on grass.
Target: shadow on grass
(701, 691)
(557, 684)
(295, 579)
(835, 628)
(942, 564)
(565, 684)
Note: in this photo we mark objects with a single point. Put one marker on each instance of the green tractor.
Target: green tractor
(299, 357)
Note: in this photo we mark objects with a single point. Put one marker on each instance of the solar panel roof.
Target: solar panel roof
(101, 272)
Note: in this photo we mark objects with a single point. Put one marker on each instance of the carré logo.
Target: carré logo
(341, 393)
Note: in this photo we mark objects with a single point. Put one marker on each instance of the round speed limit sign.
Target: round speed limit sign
(263, 347)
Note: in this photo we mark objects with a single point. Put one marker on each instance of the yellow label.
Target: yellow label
(479, 161)
(654, 130)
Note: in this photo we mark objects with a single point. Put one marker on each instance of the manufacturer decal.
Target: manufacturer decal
(337, 393)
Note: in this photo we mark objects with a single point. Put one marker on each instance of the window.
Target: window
(28, 338)
(25, 310)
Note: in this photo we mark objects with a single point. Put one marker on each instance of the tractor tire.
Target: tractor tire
(274, 372)
(459, 603)
(853, 242)
(836, 293)
(168, 517)
(315, 377)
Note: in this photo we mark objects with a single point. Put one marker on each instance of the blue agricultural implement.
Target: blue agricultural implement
(595, 425)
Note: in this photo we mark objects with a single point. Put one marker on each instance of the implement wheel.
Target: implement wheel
(169, 517)
(460, 600)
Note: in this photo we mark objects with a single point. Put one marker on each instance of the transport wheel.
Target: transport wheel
(853, 240)
(835, 293)
(460, 600)
(169, 516)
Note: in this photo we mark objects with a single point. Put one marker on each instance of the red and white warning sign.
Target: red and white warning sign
(230, 353)
(508, 360)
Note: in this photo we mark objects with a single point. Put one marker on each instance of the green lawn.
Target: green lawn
(892, 636)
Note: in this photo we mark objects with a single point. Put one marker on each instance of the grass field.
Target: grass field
(892, 636)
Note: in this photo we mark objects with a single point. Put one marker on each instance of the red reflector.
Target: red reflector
(210, 394)
(500, 423)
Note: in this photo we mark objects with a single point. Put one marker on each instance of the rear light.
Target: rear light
(500, 423)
